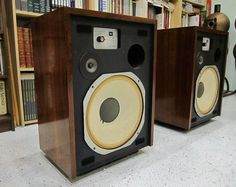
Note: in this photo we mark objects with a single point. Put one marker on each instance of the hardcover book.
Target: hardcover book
(1, 60)
(3, 101)
(21, 47)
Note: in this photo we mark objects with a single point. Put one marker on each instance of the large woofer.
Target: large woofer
(113, 112)
(207, 90)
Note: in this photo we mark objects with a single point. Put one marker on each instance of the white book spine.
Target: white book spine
(3, 101)
(142, 8)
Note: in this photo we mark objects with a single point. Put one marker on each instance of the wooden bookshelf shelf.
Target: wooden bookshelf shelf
(31, 122)
(6, 120)
(195, 3)
(26, 14)
(26, 69)
(189, 13)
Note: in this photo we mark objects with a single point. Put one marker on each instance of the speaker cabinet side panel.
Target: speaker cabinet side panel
(226, 39)
(51, 61)
(154, 85)
(174, 82)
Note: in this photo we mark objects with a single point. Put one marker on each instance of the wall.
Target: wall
(228, 8)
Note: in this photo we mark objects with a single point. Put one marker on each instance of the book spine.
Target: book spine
(34, 101)
(30, 100)
(104, 6)
(3, 100)
(18, 4)
(27, 47)
(1, 60)
(24, 98)
(72, 3)
(30, 5)
(21, 47)
(42, 6)
(126, 7)
(134, 8)
(31, 49)
(27, 99)
(36, 6)
(23, 4)
(47, 5)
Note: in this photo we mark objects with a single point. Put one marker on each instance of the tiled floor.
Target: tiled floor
(204, 156)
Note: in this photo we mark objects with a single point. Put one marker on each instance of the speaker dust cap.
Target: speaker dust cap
(113, 112)
(207, 90)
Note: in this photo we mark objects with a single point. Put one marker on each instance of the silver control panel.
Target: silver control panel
(105, 38)
(206, 44)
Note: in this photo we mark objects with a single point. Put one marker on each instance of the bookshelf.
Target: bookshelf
(20, 13)
(19, 18)
(170, 14)
(6, 115)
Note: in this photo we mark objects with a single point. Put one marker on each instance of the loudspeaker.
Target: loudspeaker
(94, 76)
(190, 75)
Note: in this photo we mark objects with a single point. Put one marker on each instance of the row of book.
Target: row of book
(193, 20)
(38, 6)
(25, 47)
(197, 1)
(138, 8)
(161, 11)
(29, 103)
(3, 99)
(125, 7)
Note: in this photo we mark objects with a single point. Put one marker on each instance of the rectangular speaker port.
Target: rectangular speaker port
(87, 161)
(139, 141)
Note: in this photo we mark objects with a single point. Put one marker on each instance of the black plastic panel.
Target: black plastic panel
(113, 61)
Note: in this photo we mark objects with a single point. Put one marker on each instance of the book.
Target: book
(3, 100)
(23, 4)
(21, 47)
(1, 59)
(42, 5)
(31, 48)
(47, 4)
(27, 47)
(194, 20)
(126, 7)
(28, 94)
(30, 5)
(18, 4)
(142, 9)
(36, 6)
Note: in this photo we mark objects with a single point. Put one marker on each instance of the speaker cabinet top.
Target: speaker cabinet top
(194, 29)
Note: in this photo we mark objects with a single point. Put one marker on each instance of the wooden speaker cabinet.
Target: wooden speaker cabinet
(94, 76)
(190, 75)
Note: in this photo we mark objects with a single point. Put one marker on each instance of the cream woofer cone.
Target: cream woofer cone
(207, 90)
(114, 112)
